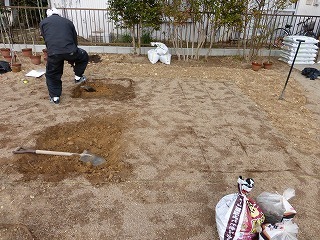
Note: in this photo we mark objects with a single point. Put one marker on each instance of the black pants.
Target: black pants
(54, 69)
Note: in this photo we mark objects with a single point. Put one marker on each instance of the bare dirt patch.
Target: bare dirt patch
(15, 231)
(100, 136)
(113, 89)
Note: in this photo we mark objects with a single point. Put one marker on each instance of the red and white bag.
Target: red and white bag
(237, 216)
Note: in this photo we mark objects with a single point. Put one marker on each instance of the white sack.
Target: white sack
(302, 46)
(161, 49)
(301, 50)
(153, 56)
(305, 38)
(296, 62)
(298, 58)
(300, 54)
(166, 59)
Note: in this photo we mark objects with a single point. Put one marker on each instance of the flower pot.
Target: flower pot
(36, 59)
(8, 58)
(267, 65)
(5, 52)
(45, 54)
(256, 66)
(16, 67)
(11, 59)
(27, 52)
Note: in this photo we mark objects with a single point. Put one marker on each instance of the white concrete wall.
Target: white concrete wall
(144, 50)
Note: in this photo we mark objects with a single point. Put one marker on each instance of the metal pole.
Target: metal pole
(294, 59)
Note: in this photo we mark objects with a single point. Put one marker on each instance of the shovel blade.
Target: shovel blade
(97, 161)
(86, 157)
(88, 88)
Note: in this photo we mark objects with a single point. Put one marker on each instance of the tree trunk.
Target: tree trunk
(133, 40)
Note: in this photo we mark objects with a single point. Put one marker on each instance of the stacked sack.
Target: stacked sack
(307, 52)
(160, 53)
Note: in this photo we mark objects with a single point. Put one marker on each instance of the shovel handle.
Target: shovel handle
(24, 150)
(54, 153)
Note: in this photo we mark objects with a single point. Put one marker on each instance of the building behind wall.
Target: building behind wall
(91, 21)
(308, 7)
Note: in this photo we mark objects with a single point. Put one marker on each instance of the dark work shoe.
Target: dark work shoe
(82, 79)
(55, 100)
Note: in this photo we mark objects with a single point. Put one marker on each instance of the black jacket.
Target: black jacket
(59, 35)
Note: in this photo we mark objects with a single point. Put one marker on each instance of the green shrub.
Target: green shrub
(126, 38)
(146, 37)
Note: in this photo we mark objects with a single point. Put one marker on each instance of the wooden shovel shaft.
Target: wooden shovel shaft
(55, 153)
(26, 150)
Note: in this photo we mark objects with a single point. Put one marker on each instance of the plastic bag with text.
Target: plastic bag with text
(237, 216)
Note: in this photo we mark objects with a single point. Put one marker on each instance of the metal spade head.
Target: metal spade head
(88, 88)
(95, 160)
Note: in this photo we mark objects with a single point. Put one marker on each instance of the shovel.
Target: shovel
(88, 88)
(85, 157)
